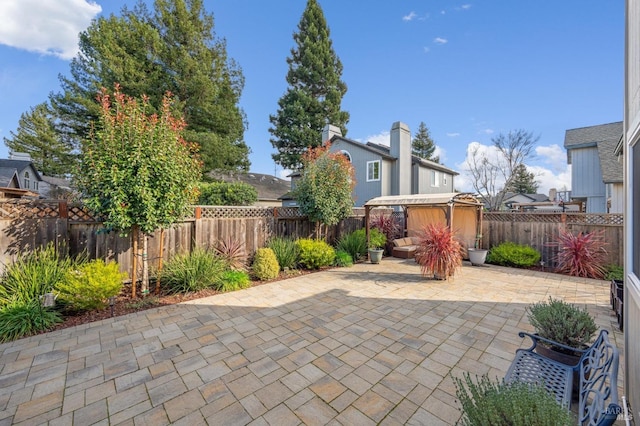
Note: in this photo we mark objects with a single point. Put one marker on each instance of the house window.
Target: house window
(26, 180)
(346, 154)
(435, 178)
(373, 170)
(444, 179)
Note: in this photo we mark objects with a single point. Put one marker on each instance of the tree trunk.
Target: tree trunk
(134, 260)
(160, 260)
(145, 266)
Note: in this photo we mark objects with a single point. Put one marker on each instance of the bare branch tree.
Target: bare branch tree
(491, 177)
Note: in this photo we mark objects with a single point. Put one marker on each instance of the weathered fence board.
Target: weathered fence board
(541, 230)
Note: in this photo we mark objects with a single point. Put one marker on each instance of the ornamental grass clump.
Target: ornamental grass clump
(354, 243)
(232, 251)
(496, 403)
(582, 254)
(193, 271)
(21, 318)
(562, 322)
(286, 251)
(438, 252)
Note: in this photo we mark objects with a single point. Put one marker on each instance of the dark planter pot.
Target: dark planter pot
(375, 255)
(617, 300)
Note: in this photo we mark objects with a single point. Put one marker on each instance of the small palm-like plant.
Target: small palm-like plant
(582, 254)
(232, 251)
(388, 225)
(439, 252)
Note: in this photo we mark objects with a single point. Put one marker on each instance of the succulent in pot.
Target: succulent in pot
(439, 253)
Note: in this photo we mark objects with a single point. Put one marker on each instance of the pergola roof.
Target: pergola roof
(450, 198)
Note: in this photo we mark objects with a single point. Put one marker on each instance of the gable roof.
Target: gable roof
(19, 165)
(610, 165)
(9, 178)
(585, 137)
(268, 187)
(384, 152)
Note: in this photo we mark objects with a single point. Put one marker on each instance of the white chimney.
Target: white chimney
(19, 156)
(401, 149)
(330, 131)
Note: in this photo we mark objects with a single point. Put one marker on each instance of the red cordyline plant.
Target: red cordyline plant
(439, 252)
(582, 254)
(388, 225)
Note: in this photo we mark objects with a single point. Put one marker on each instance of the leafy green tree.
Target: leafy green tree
(323, 191)
(315, 91)
(227, 194)
(523, 182)
(36, 135)
(170, 49)
(422, 144)
(136, 170)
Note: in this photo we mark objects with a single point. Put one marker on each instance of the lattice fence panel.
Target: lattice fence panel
(78, 213)
(288, 212)
(28, 209)
(228, 212)
(522, 217)
(595, 219)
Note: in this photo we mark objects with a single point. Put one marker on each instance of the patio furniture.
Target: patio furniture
(405, 248)
(597, 369)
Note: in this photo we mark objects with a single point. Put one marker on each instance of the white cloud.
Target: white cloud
(486, 131)
(49, 27)
(284, 174)
(382, 138)
(554, 155)
(426, 49)
(465, 7)
(453, 134)
(558, 177)
(410, 17)
(441, 153)
(440, 40)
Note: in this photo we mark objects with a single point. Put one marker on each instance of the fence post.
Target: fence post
(196, 229)
(63, 214)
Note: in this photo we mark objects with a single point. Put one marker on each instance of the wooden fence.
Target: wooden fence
(25, 225)
(540, 230)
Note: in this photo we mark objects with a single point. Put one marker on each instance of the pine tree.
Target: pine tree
(422, 144)
(170, 49)
(315, 91)
(524, 182)
(36, 136)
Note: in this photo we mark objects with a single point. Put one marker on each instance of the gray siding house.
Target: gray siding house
(596, 171)
(19, 174)
(390, 170)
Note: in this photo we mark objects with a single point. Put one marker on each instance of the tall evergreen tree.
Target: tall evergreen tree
(315, 91)
(36, 135)
(422, 144)
(170, 49)
(524, 182)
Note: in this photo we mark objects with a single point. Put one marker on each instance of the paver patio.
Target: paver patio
(370, 344)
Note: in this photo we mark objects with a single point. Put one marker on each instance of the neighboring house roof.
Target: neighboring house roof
(610, 165)
(585, 137)
(9, 177)
(384, 150)
(58, 182)
(268, 187)
(19, 165)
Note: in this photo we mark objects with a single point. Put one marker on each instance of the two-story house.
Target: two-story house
(596, 171)
(18, 176)
(389, 170)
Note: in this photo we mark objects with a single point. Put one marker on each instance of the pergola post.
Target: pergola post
(367, 209)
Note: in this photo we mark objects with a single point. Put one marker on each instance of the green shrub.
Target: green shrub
(90, 286)
(286, 251)
(354, 243)
(20, 318)
(315, 254)
(562, 322)
(234, 280)
(614, 272)
(485, 402)
(265, 264)
(32, 275)
(227, 194)
(512, 254)
(193, 271)
(343, 259)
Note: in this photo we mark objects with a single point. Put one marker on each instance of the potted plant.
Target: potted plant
(377, 241)
(439, 253)
(477, 255)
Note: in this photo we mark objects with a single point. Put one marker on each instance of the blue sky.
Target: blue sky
(469, 70)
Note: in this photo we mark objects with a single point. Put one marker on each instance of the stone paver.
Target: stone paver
(370, 344)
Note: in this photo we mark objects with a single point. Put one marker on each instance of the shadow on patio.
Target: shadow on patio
(363, 345)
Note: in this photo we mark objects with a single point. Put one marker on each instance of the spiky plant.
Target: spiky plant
(439, 252)
(582, 254)
(232, 251)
